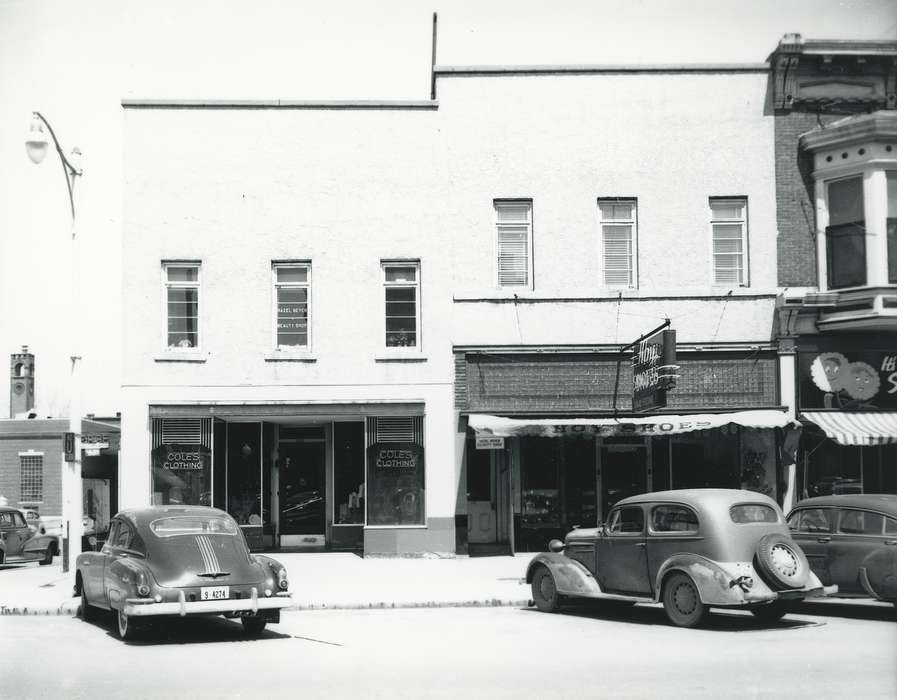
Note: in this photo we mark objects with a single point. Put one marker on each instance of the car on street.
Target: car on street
(21, 542)
(691, 549)
(176, 561)
(850, 541)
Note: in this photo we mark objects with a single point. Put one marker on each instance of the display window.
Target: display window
(395, 471)
(348, 473)
(832, 469)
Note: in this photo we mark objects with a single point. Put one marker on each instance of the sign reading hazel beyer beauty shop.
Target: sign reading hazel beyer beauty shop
(652, 367)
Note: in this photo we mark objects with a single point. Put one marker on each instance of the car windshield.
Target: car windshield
(192, 525)
(753, 513)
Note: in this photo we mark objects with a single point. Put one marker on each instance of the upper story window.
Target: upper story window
(845, 235)
(514, 243)
(181, 303)
(855, 173)
(618, 235)
(401, 293)
(32, 477)
(728, 221)
(292, 305)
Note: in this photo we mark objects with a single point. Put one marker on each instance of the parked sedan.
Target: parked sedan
(20, 542)
(180, 560)
(692, 549)
(850, 541)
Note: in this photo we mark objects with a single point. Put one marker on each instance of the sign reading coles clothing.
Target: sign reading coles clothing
(653, 370)
(848, 380)
(395, 485)
(182, 474)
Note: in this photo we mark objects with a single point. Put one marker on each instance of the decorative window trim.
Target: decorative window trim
(507, 227)
(185, 354)
(291, 351)
(632, 222)
(743, 220)
(398, 352)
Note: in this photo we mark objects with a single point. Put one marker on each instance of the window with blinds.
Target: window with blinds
(728, 221)
(32, 477)
(181, 299)
(513, 222)
(618, 235)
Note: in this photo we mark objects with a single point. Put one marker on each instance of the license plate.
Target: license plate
(215, 593)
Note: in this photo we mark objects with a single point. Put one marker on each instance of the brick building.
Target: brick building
(835, 105)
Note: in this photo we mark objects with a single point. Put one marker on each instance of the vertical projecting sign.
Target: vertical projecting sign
(654, 371)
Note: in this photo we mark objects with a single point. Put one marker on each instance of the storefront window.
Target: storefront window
(541, 482)
(706, 459)
(395, 468)
(182, 474)
(244, 491)
(348, 473)
(830, 468)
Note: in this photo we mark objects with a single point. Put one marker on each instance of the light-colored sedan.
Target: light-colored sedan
(691, 549)
(176, 561)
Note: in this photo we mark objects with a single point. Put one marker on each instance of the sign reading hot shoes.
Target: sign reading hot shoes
(654, 371)
(490, 442)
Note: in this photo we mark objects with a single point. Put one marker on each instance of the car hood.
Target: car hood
(202, 560)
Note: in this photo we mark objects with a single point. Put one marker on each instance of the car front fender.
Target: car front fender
(570, 576)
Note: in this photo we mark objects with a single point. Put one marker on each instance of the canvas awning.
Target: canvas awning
(863, 428)
(499, 426)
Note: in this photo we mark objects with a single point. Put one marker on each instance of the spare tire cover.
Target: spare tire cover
(781, 562)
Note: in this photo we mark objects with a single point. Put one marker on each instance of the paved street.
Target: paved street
(468, 653)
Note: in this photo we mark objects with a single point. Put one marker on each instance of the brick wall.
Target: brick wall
(795, 208)
(583, 382)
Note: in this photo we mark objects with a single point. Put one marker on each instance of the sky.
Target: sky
(75, 60)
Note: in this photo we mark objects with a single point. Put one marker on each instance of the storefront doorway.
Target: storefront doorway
(623, 471)
(301, 485)
(488, 499)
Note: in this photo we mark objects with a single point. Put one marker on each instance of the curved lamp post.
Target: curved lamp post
(36, 145)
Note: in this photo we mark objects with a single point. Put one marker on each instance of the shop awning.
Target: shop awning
(865, 428)
(605, 427)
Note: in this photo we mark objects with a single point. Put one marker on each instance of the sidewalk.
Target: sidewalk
(329, 580)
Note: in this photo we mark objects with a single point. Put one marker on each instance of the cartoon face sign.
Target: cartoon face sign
(862, 381)
(829, 371)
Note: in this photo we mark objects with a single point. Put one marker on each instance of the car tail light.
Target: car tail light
(143, 589)
(282, 581)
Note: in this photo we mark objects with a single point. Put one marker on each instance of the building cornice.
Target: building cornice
(347, 105)
(877, 126)
(587, 69)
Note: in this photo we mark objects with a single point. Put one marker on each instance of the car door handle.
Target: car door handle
(641, 544)
(823, 540)
(890, 541)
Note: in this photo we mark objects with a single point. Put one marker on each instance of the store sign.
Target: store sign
(182, 458)
(848, 380)
(488, 442)
(397, 456)
(654, 371)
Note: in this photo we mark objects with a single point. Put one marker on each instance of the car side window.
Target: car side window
(627, 521)
(123, 537)
(860, 522)
(18, 520)
(890, 526)
(113, 533)
(6, 519)
(673, 518)
(812, 520)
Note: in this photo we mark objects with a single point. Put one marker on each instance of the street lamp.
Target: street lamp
(36, 145)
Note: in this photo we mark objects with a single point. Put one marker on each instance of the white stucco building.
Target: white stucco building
(318, 295)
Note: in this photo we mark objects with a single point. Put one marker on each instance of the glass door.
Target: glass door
(301, 481)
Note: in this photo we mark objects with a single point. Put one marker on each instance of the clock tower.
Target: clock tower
(21, 382)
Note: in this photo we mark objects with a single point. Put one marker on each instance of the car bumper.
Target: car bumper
(147, 607)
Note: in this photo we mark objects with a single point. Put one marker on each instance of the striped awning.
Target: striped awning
(863, 428)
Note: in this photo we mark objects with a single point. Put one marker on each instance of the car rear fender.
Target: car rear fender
(717, 582)
(570, 577)
(123, 576)
(878, 573)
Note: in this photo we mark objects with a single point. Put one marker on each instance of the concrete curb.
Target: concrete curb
(72, 609)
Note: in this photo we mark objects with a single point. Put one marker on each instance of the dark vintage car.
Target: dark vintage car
(177, 561)
(21, 542)
(850, 541)
(692, 549)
